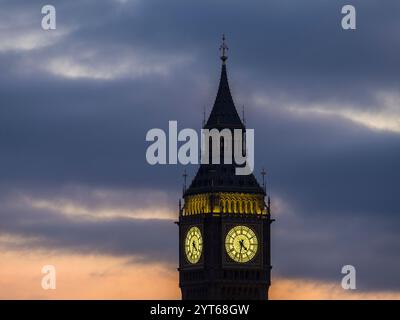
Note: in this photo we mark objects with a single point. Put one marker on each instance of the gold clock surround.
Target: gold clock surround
(241, 244)
(193, 245)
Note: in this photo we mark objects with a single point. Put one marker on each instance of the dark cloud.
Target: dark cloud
(326, 243)
(145, 240)
(339, 179)
(330, 167)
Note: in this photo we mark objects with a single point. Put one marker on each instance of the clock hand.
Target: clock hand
(240, 251)
(242, 244)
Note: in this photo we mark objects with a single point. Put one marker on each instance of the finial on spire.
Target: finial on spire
(223, 48)
(184, 181)
(263, 173)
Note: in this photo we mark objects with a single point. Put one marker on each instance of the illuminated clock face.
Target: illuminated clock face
(241, 244)
(193, 245)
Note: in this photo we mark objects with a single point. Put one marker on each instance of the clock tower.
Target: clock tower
(224, 221)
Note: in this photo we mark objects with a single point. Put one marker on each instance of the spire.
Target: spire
(224, 113)
(211, 178)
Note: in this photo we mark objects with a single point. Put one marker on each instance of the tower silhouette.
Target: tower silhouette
(224, 222)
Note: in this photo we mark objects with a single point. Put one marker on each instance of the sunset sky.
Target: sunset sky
(76, 103)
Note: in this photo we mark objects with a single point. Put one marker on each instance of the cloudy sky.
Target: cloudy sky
(76, 103)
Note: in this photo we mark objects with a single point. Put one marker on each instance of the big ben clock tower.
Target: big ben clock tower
(224, 222)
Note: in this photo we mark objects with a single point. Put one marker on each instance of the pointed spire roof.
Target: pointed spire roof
(221, 177)
(224, 113)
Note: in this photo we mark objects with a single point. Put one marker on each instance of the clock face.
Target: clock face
(193, 245)
(241, 244)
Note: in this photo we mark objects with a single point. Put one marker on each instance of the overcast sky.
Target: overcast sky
(76, 103)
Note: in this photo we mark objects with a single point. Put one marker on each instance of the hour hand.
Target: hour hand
(242, 245)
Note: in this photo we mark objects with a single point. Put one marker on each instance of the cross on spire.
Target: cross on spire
(223, 48)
